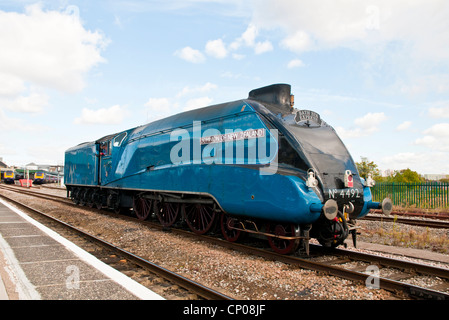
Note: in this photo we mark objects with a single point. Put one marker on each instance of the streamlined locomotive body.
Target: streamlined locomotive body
(254, 165)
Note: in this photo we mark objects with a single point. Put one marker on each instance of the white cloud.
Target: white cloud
(231, 75)
(262, 47)
(295, 63)
(404, 126)
(158, 104)
(216, 49)
(436, 137)
(199, 89)
(406, 41)
(440, 112)
(197, 103)
(366, 125)
(34, 103)
(47, 48)
(248, 39)
(191, 55)
(249, 36)
(8, 125)
(220, 50)
(440, 130)
(421, 162)
(10, 85)
(297, 42)
(345, 133)
(111, 115)
(370, 122)
(158, 108)
(238, 56)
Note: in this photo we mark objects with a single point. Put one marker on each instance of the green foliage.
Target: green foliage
(365, 167)
(407, 176)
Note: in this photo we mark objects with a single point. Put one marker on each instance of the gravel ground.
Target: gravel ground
(403, 235)
(235, 274)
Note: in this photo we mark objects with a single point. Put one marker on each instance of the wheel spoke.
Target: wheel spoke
(167, 213)
(227, 223)
(279, 245)
(199, 217)
(142, 207)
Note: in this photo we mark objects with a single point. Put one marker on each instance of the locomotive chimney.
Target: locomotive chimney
(278, 95)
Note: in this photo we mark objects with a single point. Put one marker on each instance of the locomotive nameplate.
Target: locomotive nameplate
(307, 115)
(344, 193)
(234, 136)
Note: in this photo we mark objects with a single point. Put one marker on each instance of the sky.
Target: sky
(75, 71)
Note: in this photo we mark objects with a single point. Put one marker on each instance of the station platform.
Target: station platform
(36, 263)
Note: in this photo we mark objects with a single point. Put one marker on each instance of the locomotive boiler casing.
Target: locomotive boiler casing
(142, 162)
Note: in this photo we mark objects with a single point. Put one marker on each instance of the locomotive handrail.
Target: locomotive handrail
(263, 233)
(169, 198)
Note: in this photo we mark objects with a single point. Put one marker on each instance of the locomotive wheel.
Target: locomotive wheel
(89, 199)
(167, 213)
(229, 234)
(74, 194)
(82, 197)
(333, 232)
(142, 207)
(97, 200)
(283, 246)
(199, 217)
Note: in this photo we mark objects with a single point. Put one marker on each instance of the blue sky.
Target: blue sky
(377, 71)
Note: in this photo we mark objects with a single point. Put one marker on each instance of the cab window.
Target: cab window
(119, 139)
(105, 148)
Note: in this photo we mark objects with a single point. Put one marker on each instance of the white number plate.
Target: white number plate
(344, 193)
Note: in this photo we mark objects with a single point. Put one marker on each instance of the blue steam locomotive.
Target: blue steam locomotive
(252, 166)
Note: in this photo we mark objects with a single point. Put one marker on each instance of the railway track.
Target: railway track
(390, 274)
(121, 258)
(436, 216)
(431, 222)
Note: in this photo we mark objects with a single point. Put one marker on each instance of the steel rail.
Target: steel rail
(414, 222)
(384, 283)
(182, 281)
(437, 216)
(389, 262)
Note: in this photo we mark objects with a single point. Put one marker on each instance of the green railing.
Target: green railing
(427, 195)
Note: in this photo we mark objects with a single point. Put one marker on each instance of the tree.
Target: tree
(407, 176)
(365, 167)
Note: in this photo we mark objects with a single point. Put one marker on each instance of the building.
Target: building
(435, 177)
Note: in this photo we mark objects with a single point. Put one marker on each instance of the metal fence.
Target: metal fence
(428, 195)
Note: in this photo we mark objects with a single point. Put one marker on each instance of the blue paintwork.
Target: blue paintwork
(369, 203)
(140, 160)
(81, 164)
